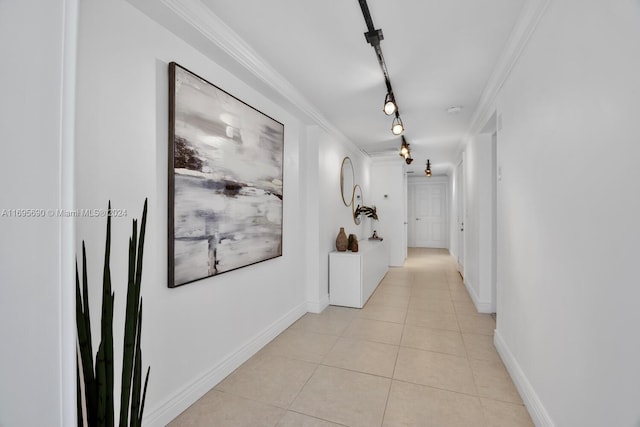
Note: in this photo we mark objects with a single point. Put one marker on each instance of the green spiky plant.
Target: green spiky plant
(95, 382)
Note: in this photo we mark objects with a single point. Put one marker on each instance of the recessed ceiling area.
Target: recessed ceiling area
(439, 54)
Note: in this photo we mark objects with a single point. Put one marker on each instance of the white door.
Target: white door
(460, 197)
(494, 222)
(404, 203)
(431, 215)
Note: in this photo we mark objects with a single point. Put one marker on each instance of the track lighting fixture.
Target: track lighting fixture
(427, 171)
(373, 37)
(397, 127)
(405, 151)
(389, 104)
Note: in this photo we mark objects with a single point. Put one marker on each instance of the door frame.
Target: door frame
(411, 211)
(461, 206)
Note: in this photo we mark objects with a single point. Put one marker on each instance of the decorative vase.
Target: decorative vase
(353, 243)
(342, 243)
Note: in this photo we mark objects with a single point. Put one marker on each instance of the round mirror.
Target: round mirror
(347, 180)
(356, 202)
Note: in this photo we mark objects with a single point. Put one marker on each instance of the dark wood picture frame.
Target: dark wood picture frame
(225, 181)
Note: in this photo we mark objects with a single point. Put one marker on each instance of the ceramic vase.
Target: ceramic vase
(342, 242)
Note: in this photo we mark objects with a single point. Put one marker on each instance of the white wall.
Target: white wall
(316, 283)
(387, 178)
(333, 214)
(37, 371)
(196, 334)
(568, 210)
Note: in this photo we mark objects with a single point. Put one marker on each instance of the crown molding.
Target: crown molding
(215, 30)
(524, 28)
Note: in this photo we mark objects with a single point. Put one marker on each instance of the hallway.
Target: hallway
(418, 354)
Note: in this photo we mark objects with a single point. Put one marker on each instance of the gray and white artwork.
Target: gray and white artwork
(226, 178)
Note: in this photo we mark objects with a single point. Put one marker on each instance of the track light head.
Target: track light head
(408, 160)
(390, 106)
(405, 151)
(397, 127)
(427, 171)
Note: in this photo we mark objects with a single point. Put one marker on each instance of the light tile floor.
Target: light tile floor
(418, 354)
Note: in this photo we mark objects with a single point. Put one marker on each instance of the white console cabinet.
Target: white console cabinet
(353, 276)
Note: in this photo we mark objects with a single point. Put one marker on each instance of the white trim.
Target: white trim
(534, 405)
(526, 25)
(481, 306)
(318, 306)
(202, 19)
(189, 394)
(423, 179)
(67, 226)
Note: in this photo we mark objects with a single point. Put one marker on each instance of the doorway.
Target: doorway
(460, 218)
(428, 215)
(494, 221)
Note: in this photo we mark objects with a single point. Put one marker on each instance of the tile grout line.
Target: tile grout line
(395, 364)
(316, 418)
(473, 375)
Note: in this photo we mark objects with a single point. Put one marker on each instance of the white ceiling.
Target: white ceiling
(438, 53)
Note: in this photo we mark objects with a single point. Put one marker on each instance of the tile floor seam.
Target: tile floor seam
(446, 389)
(502, 401)
(292, 357)
(485, 409)
(457, 320)
(511, 402)
(473, 375)
(315, 417)
(466, 350)
(484, 413)
(395, 364)
(386, 402)
(434, 351)
(231, 393)
(355, 370)
(302, 388)
(313, 332)
(393, 374)
(358, 373)
(336, 341)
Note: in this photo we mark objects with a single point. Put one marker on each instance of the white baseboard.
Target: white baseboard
(318, 306)
(534, 405)
(189, 394)
(481, 306)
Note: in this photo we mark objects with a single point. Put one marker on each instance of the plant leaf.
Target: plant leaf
(107, 329)
(144, 396)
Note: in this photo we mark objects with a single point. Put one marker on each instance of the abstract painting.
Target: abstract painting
(225, 181)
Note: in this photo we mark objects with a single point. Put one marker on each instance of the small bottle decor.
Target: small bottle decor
(342, 242)
(353, 243)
